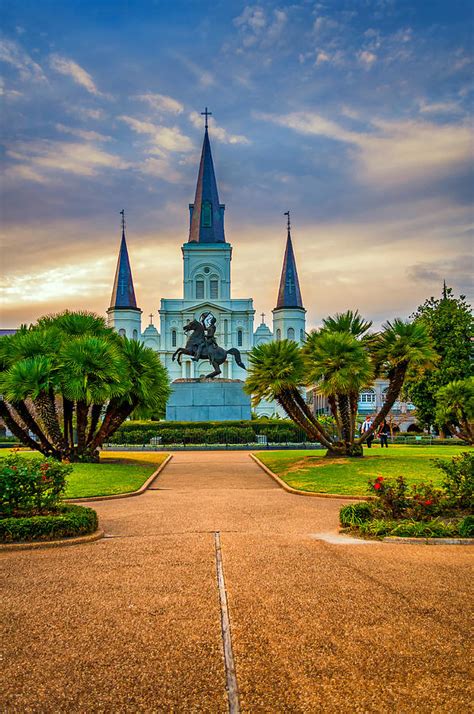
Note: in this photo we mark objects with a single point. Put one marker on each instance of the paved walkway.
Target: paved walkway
(133, 622)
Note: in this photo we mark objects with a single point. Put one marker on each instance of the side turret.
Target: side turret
(289, 315)
(123, 314)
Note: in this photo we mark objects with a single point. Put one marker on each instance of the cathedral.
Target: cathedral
(207, 287)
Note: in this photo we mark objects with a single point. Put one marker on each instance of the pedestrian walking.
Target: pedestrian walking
(366, 425)
(384, 432)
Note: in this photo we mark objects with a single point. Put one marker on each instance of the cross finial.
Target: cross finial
(263, 317)
(206, 114)
(151, 318)
(122, 213)
(287, 213)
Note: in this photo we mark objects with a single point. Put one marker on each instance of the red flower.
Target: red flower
(428, 502)
(377, 485)
(379, 478)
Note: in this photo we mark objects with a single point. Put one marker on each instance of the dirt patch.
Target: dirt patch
(303, 464)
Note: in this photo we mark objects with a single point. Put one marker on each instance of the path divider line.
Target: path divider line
(231, 677)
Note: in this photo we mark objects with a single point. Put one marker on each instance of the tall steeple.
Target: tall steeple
(289, 294)
(123, 293)
(207, 214)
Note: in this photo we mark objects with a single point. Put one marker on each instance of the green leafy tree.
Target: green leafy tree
(455, 408)
(339, 358)
(449, 322)
(72, 381)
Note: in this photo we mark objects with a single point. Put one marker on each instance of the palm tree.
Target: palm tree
(340, 358)
(455, 408)
(73, 362)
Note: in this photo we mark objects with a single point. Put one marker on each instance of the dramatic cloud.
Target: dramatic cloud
(394, 152)
(11, 53)
(69, 68)
(219, 132)
(43, 160)
(162, 103)
(161, 138)
(83, 133)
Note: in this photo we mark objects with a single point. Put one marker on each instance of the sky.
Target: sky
(354, 114)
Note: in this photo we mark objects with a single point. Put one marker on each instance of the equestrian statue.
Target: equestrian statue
(202, 344)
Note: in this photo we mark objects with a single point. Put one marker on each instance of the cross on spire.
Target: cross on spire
(287, 213)
(263, 317)
(151, 318)
(122, 213)
(206, 114)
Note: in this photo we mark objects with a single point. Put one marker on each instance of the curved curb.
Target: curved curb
(127, 494)
(429, 541)
(296, 492)
(35, 545)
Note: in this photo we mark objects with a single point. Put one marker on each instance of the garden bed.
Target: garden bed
(66, 521)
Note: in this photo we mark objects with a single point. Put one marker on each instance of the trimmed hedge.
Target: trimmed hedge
(68, 521)
(278, 431)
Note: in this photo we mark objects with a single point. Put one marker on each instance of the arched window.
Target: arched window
(135, 335)
(214, 287)
(301, 335)
(239, 338)
(206, 214)
(200, 288)
(173, 338)
(290, 333)
(278, 335)
(367, 396)
(122, 332)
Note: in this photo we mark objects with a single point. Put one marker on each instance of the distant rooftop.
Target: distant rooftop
(8, 331)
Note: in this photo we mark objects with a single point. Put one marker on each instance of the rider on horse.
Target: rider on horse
(208, 321)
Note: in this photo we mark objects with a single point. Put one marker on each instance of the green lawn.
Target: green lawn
(116, 473)
(310, 471)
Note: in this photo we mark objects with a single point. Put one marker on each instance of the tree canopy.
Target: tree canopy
(338, 359)
(449, 322)
(71, 381)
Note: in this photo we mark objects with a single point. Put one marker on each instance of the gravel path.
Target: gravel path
(134, 622)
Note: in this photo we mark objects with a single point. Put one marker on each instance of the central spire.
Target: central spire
(289, 294)
(207, 214)
(123, 294)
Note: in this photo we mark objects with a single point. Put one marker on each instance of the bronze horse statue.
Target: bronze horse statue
(215, 354)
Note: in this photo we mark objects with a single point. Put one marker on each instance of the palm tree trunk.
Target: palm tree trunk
(288, 402)
(82, 410)
(68, 409)
(26, 416)
(344, 408)
(333, 407)
(95, 416)
(115, 415)
(17, 430)
(47, 410)
(394, 387)
(323, 437)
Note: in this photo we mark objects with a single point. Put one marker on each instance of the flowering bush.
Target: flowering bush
(30, 485)
(392, 495)
(458, 479)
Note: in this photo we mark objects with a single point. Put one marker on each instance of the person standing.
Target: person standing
(366, 425)
(384, 432)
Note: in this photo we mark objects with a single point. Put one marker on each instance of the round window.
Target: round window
(206, 270)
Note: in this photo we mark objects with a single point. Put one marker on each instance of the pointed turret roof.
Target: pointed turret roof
(207, 219)
(123, 293)
(289, 294)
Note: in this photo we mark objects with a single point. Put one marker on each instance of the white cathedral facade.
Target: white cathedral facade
(207, 287)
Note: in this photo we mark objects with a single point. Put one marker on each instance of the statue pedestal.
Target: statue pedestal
(211, 400)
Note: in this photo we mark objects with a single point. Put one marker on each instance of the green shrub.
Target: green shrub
(29, 485)
(392, 495)
(68, 521)
(354, 514)
(466, 527)
(435, 528)
(458, 479)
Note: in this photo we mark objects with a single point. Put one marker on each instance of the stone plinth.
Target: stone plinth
(207, 400)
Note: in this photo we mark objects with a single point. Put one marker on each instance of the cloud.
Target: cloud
(82, 133)
(439, 107)
(161, 138)
(69, 68)
(162, 103)
(160, 168)
(456, 271)
(218, 132)
(259, 28)
(41, 160)
(86, 113)
(203, 76)
(11, 53)
(366, 58)
(392, 152)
